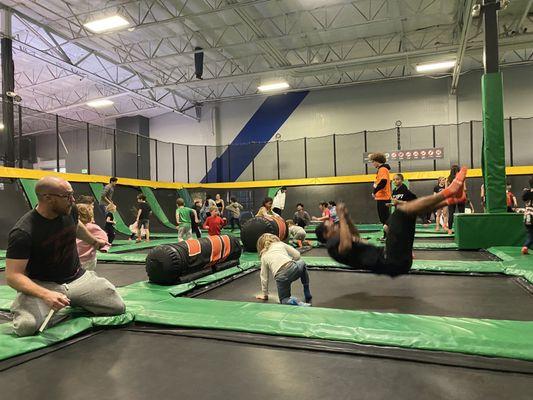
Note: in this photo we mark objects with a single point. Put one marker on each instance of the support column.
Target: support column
(8, 85)
(493, 152)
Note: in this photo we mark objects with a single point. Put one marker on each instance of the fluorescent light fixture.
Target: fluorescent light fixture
(273, 86)
(100, 103)
(106, 24)
(436, 66)
(1, 126)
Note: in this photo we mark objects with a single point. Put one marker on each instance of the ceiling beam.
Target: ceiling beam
(466, 22)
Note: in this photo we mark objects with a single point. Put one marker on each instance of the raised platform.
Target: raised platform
(481, 231)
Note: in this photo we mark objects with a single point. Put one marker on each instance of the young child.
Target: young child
(184, 218)
(235, 213)
(345, 245)
(214, 223)
(110, 222)
(510, 198)
(297, 234)
(285, 264)
(143, 215)
(326, 214)
(401, 192)
(332, 206)
(440, 214)
(195, 223)
(87, 252)
(266, 208)
(527, 196)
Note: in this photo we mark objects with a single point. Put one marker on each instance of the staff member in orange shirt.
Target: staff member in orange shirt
(382, 188)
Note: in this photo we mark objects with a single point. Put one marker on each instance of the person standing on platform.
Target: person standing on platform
(143, 217)
(196, 223)
(234, 209)
(382, 188)
(220, 204)
(214, 223)
(184, 218)
(107, 195)
(278, 204)
(110, 222)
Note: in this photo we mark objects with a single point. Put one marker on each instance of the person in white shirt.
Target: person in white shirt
(285, 264)
(297, 234)
(279, 201)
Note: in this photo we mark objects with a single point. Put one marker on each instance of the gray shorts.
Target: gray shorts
(184, 232)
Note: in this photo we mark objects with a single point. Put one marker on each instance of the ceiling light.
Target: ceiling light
(106, 24)
(1, 126)
(436, 66)
(100, 103)
(273, 86)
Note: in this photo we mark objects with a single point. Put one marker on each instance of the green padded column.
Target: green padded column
(156, 207)
(493, 142)
(29, 188)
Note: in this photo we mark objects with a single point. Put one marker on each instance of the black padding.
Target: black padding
(252, 230)
(166, 264)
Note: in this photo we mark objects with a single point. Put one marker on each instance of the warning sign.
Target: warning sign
(410, 155)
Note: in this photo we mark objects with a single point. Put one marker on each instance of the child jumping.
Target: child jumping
(184, 218)
(285, 264)
(345, 245)
(87, 252)
(110, 222)
(297, 234)
(214, 223)
(143, 215)
(235, 213)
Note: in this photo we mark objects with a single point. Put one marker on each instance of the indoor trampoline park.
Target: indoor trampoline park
(266, 199)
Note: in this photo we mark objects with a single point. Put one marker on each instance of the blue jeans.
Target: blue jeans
(529, 237)
(284, 278)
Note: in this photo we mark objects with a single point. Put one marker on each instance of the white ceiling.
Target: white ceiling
(149, 68)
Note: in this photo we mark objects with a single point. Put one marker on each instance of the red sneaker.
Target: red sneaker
(525, 250)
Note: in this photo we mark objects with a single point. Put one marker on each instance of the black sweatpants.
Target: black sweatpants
(451, 210)
(395, 259)
(383, 210)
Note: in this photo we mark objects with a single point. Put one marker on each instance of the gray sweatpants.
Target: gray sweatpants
(96, 295)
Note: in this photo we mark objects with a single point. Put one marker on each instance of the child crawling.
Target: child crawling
(284, 262)
(345, 245)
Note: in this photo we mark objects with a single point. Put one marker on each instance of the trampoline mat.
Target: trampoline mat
(457, 255)
(138, 365)
(117, 274)
(494, 297)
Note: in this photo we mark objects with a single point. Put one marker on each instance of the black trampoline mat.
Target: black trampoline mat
(137, 365)
(117, 274)
(456, 255)
(495, 297)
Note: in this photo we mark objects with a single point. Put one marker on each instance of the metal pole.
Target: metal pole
(490, 43)
(434, 145)
(173, 165)
(229, 164)
(8, 85)
(205, 158)
(114, 152)
(156, 162)
(277, 156)
(305, 155)
(57, 143)
(334, 155)
(21, 164)
(399, 147)
(511, 155)
(253, 167)
(137, 156)
(188, 171)
(366, 150)
(88, 149)
(471, 144)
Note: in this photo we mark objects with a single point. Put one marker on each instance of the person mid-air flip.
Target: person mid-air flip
(346, 246)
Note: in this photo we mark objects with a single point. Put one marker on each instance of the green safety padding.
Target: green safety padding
(493, 151)
(493, 338)
(3, 253)
(184, 194)
(120, 226)
(156, 208)
(506, 253)
(122, 257)
(514, 262)
(480, 231)
(29, 188)
(272, 191)
(141, 245)
(2, 265)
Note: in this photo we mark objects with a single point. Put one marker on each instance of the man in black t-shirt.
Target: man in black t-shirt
(43, 266)
(143, 217)
(345, 246)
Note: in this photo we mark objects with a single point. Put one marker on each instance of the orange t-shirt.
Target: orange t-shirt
(385, 193)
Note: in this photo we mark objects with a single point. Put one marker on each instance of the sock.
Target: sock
(456, 188)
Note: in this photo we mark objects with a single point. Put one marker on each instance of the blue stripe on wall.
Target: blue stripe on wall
(253, 137)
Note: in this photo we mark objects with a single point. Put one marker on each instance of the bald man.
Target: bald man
(43, 266)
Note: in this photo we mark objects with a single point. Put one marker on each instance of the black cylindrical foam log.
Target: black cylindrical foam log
(166, 264)
(253, 228)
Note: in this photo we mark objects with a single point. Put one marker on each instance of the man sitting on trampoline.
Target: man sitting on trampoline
(345, 245)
